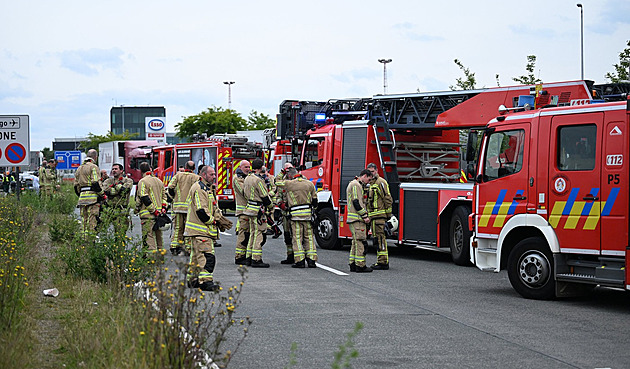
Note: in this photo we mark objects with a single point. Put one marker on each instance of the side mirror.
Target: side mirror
(471, 146)
(470, 171)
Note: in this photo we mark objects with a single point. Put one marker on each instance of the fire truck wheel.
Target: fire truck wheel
(459, 236)
(326, 232)
(530, 269)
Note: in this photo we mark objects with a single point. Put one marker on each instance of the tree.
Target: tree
(211, 121)
(257, 120)
(92, 141)
(529, 78)
(467, 83)
(622, 69)
(48, 153)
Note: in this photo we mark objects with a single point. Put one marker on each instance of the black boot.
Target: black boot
(311, 263)
(248, 261)
(364, 269)
(379, 266)
(289, 260)
(240, 261)
(209, 286)
(299, 264)
(192, 283)
(353, 267)
(259, 264)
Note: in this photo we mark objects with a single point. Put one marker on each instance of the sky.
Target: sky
(65, 63)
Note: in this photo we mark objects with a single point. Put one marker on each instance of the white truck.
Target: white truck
(128, 153)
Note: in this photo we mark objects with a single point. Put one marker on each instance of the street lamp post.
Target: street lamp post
(582, 36)
(384, 61)
(229, 84)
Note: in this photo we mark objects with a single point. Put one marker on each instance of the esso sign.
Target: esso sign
(156, 124)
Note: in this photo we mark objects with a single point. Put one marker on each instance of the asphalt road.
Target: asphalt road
(425, 312)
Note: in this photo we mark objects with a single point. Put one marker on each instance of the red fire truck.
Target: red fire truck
(415, 140)
(222, 152)
(551, 197)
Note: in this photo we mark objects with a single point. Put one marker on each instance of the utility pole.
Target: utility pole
(582, 36)
(384, 61)
(229, 84)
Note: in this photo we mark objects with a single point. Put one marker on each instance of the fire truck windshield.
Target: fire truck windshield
(504, 154)
(313, 152)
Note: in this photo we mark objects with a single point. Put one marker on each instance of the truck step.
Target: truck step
(590, 279)
(487, 251)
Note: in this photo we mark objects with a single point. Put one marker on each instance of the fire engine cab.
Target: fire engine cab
(551, 196)
(222, 152)
(414, 139)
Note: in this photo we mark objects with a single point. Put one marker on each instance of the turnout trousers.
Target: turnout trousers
(380, 241)
(202, 260)
(254, 246)
(152, 240)
(89, 216)
(303, 243)
(242, 236)
(357, 251)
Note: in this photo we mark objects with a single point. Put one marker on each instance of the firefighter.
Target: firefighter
(42, 176)
(50, 179)
(379, 207)
(358, 220)
(300, 198)
(279, 213)
(150, 203)
(90, 193)
(242, 225)
(178, 189)
(258, 205)
(104, 175)
(201, 227)
(118, 187)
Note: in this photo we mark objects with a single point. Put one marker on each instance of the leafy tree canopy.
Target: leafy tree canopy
(256, 121)
(48, 153)
(468, 82)
(622, 69)
(92, 141)
(529, 78)
(216, 120)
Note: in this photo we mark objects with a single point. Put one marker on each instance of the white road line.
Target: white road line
(332, 270)
(225, 233)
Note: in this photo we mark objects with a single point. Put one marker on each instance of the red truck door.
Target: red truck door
(614, 212)
(576, 199)
(503, 192)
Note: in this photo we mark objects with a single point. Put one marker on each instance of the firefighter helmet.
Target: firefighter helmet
(391, 226)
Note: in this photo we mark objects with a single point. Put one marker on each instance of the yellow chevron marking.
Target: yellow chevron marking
(487, 212)
(556, 213)
(500, 219)
(593, 216)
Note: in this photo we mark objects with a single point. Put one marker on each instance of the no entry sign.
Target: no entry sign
(14, 140)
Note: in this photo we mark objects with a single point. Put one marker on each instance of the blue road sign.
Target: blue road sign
(68, 159)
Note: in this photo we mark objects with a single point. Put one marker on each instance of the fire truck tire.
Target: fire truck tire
(459, 236)
(326, 232)
(530, 269)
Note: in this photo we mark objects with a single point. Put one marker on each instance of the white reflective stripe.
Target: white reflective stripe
(488, 235)
(300, 207)
(613, 253)
(579, 251)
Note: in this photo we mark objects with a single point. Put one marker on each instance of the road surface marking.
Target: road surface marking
(332, 270)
